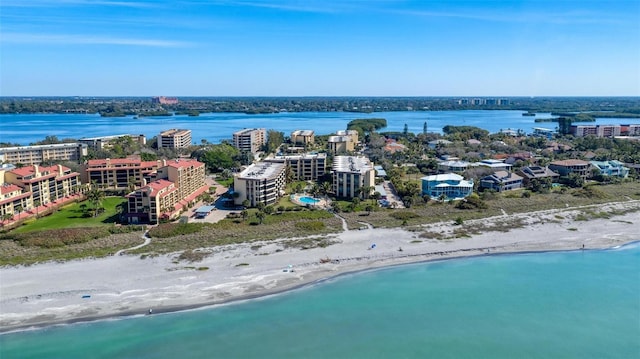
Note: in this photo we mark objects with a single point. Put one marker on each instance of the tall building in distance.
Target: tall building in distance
(250, 139)
(161, 100)
(174, 138)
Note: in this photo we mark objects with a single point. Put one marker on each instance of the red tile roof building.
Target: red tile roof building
(179, 182)
(119, 173)
(32, 186)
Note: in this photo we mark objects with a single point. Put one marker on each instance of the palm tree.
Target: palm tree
(260, 215)
(6, 217)
(326, 188)
(36, 204)
(95, 196)
(376, 196)
(315, 189)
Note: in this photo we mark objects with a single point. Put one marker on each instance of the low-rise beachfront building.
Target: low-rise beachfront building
(174, 138)
(302, 137)
(532, 173)
(262, 182)
(119, 173)
(103, 142)
(178, 184)
(304, 167)
(566, 167)
(187, 174)
(149, 203)
(350, 174)
(250, 139)
(501, 181)
(611, 168)
(448, 186)
(23, 189)
(13, 199)
(35, 155)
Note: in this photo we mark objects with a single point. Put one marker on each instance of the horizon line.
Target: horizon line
(318, 96)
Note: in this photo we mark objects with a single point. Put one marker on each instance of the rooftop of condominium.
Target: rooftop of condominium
(174, 132)
(300, 156)
(246, 131)
(36, 170)
(38, 147)
(352, 164)
(262, 170)
(110, 137)
(182, 163)
(302, 133)
(340, 139)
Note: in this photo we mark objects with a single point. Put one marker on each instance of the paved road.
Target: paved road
(216, 215)
(392, 195)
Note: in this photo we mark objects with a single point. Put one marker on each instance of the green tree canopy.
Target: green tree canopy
(218, 157)
(463, 133)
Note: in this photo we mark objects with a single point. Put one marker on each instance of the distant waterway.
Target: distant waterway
(578, 304)
(215, 127)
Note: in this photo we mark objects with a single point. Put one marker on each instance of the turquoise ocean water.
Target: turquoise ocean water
(214, 127)
(545, 305)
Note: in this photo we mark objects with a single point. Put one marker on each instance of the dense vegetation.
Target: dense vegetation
(121, 106)
(367, 125)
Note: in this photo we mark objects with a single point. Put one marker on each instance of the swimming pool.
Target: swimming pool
(308, 200)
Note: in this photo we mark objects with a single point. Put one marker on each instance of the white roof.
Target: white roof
(340, 139)
(302, 133)
(351, 164)
(262, 170)
(443, 177)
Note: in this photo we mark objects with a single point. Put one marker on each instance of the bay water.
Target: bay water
(24, 129)
(577, 304)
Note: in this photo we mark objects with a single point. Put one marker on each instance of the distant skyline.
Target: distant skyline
(319, 48)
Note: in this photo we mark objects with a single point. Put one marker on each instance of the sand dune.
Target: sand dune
(51, 293)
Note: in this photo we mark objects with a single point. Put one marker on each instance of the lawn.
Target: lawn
(72, 216)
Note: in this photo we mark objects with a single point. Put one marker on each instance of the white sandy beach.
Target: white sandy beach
(50, 293)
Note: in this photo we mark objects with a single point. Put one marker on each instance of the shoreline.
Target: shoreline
(51, 294)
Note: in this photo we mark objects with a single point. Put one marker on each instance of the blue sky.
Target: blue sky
(319, 48)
